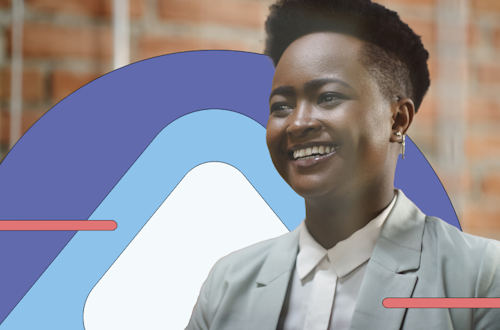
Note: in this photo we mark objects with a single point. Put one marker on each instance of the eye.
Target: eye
(280, 106)
(328, 98)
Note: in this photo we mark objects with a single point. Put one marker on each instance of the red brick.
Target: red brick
(496, 38)
(487, 233)
(486, 5)
(460, 69)
(237, 13)
(94, 8)
(482, 147)
(473, 33)
(432, 64)
(454, 182)
(66, 82)
(29, 117)
(489, 73)
(406, 2)
(490, 184)
(425, 29)
(44, 40)
(426, 110)
(481, 218)
(32, 85)
(150, 46)
(483, 110)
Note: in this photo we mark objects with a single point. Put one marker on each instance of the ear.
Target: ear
(403, 111)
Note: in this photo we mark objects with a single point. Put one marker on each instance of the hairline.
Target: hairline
(363, 59)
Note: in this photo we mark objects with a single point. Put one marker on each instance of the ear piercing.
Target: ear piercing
(402, 142)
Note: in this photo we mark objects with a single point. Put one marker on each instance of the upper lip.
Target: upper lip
(310, 145)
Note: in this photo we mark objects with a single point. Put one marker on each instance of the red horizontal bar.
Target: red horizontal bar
(57, 225)
(441, 303)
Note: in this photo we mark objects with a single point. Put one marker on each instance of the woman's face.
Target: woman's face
(325, 102)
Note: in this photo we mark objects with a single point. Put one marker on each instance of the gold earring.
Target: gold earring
(402, 142)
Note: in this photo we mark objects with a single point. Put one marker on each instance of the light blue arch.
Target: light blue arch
(57, 299)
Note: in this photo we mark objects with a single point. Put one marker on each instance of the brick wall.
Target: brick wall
(482, 214)
(476, 187)
(68, 43)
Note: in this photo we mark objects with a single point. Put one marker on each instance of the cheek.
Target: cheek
(371, 129)
(270, 136)
(273, 138)
(376, 135)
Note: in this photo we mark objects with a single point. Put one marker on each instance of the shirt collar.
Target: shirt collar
(346, 255)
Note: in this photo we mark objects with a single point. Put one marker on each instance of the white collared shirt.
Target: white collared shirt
(349, 258)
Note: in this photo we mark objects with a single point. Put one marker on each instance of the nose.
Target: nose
(302, 121)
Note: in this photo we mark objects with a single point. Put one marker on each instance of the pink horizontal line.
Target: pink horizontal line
(441, 303)
(57, 225)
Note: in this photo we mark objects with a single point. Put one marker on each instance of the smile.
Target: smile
(312, 152)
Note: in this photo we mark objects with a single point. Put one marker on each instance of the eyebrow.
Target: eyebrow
(308, 86)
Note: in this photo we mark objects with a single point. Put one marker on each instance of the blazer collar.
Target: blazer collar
(267, 298)
(399, 245)
(397, 252)
(391, 269)
(281, 258)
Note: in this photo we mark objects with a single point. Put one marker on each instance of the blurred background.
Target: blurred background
(50, 48)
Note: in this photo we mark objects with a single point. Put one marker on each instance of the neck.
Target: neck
(333, 220)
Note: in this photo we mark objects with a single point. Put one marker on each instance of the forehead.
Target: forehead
(322, 55)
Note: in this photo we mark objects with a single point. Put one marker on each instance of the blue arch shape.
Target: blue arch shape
(67, 163)
(55, 302)
(70, 159)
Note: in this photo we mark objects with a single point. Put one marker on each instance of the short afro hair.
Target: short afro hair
(393, 53)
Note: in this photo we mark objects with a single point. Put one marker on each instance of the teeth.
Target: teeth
(312, 152)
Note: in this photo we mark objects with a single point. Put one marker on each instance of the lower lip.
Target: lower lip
(313, 161)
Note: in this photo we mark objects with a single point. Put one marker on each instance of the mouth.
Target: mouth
(313, 152)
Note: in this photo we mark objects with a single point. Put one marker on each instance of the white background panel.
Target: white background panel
(155, 282)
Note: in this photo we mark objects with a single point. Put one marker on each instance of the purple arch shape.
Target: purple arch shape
(73, 156)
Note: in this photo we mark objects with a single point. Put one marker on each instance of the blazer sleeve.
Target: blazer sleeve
(488, 286)
(200, 319)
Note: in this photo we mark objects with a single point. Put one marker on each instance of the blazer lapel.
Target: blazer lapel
(390, 271)
(272, 283)
(378, 284)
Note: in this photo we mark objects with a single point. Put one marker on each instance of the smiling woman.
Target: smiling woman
(334, 102)
(350, 76)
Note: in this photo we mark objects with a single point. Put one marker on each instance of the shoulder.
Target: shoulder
(230, 282)
(247, 262)
(469, 264)
(451, 240)
(476, 260)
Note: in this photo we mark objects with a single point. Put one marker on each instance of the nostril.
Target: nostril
(303, 128)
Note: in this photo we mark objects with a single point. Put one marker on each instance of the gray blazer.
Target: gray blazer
(415, 256)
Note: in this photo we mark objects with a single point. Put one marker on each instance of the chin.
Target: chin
(310, 190)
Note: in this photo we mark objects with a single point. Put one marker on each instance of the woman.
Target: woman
(350, 75)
